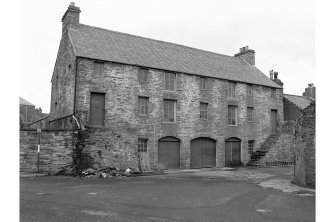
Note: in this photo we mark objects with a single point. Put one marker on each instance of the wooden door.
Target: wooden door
(97, 109)
(233, 152)
(274, 120)
(169, 153)
(203, 153)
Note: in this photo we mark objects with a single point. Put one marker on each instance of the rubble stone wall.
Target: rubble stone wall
(305, 148)
(55, 150)
(122, 88)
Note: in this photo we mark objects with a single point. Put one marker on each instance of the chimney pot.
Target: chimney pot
(275, 75)
(271, 74)
(246, 48)
(72, 3)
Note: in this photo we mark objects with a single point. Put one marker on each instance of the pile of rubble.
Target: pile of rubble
(105, 172)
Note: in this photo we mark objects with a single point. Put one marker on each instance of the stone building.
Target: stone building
(294, 105)
(170, 105)
(28, 113)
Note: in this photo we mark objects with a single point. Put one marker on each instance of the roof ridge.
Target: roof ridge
(171, 43)
(306, 97)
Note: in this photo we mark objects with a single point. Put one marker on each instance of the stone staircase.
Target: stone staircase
(265, 147)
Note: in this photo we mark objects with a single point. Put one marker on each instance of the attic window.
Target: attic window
(142, 75)
(98, 69)
(273, 93)
(203, 83)
(249, 90)
(232, 89)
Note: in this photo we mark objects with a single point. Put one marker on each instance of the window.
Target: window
(232, 115)
(250, 111)
(143, 75)
(203, 83)
(232, 89)
(98, 69)
(170, 81)
(251, 146)
(273, 93)
(142, 145)
(169, 110)
(249, 90)
(203, 110)
(56, 105)
(143, 105)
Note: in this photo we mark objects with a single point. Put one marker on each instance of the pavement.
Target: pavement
(225, 194)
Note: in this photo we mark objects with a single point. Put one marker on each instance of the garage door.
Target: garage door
(169, 153)
(203, 153)
(233, 152)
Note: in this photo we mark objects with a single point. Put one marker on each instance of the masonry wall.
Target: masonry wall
(63, 80)
(291, 111)
(55, 150)
(304, 174)
(122, 89)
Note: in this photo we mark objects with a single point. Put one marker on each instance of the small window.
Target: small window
(142, 145)
(203, 83)
(169, 110)
(250, 116)
(170, 81)
(273, 93)
(143, 105)
(203, 110)
(251, 146)
(249, 90)
(232, 90)
(143, 75)
(98, 69)
(232, 115)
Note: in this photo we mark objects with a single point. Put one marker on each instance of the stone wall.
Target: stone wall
(122, 89)
(304, 174)
(55, 150)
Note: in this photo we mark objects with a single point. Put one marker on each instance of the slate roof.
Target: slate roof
(25, 102)
(97, 43)
(301, 101)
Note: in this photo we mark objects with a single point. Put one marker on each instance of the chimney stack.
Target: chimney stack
(310, 91)
(71, 17)
(274, 77)
(271, 74)
(247, 55)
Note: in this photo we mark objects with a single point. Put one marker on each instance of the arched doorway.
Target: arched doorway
(169, 153)
(203, 153)
(233, 152)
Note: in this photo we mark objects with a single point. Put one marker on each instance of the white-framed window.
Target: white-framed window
(203, 110)
(143, 105)
(143, 75)
(232, 115)
(203, 83)
(170, 81)
(251, 144)
(169, 110)
(142, 145)
(232, 89)
(250, 114)
(98, 69)
(249, 90)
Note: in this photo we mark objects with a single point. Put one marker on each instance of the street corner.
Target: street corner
(287, 187)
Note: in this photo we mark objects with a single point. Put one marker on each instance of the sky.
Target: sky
(282, 33)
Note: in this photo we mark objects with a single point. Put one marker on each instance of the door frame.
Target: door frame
(233, 139)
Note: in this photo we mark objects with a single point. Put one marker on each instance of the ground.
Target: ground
(243, 194)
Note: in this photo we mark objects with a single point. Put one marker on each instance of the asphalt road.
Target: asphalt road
(173, 197)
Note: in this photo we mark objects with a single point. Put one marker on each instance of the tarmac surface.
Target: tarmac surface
(239, 194)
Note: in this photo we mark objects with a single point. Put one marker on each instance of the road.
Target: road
(203, 195)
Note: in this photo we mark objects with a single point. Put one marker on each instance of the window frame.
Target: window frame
(143, 72)
(250, 114)
(273, 93)
(167, 81)
(96, 70)
(203, 83)
(230, 115)
(167, 116)
(203, 112)
(251, 146)
(145, 105)
(249, 90)
(142, 145)
(232, 93)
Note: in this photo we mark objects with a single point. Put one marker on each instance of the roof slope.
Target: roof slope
(98, 43)
(25, 102)
(301, 101)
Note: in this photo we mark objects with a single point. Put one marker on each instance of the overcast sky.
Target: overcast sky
(282, 33)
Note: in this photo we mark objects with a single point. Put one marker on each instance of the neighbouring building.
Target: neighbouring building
(28, 113)
(294, 105)
(161, 105)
